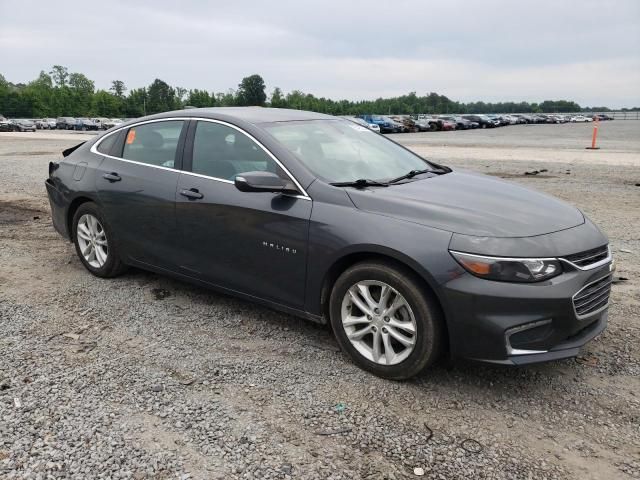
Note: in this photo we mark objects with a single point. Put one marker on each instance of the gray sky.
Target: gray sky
(582, 50)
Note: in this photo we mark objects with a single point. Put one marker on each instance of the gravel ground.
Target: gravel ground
(147, 377)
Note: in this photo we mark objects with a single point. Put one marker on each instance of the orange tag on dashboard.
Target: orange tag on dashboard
(131, 136)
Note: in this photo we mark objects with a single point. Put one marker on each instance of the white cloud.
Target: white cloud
(491, 50)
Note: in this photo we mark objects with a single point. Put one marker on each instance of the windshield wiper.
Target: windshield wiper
(412, 174)
(361, 183)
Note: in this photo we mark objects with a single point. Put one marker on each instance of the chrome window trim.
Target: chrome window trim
(595, 312)
(94, 149)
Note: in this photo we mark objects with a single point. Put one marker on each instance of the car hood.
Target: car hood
(470, 204)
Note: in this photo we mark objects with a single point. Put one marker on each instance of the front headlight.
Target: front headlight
(509, 269)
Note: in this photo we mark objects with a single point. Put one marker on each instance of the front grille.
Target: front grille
(593, 297)
(589, 257)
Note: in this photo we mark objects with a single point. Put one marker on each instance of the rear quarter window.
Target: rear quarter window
(106, 145)
(153, 143)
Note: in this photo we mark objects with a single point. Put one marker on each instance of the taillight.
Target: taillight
(53, 166)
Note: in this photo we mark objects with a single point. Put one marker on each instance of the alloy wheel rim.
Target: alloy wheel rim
(379, 322)
(92, 240)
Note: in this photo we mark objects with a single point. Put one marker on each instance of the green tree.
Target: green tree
(106, 104)
(277, 99)
(41, 93)
(180, 96)
(228, 99)
(136, 103)
(60, 75)
(118, 88)
(161, 97)
(251, 91)
(200, 98)
(81, 89)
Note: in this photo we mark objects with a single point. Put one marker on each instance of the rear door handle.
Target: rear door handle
(192, 194)
(112, 177)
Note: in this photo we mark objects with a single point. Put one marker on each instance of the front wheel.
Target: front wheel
(94, 242)
(383, 319)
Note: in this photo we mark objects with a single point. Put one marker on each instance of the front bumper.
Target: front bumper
(519, 324)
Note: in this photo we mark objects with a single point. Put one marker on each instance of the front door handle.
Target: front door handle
(112, 177)
(192, 194)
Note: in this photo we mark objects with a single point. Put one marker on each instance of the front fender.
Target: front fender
(337, 232)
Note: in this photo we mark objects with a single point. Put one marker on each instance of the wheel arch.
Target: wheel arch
(73, 208)
(386, 255)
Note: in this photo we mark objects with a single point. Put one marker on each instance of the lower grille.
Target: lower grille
(592, 298)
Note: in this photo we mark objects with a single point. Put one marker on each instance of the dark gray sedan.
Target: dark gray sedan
(319, 217)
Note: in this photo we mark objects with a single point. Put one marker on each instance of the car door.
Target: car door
(254, 243)
(136, 185)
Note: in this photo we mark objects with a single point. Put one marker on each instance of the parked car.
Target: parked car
(22, 125)
(361, 122)
(483, 120)
(101, 123)
(398, 126)
(580, 119)
(553, 118)
(508, 119)
(602, 117)
(460, 123)
(427, 123)
(538, 118)
(66, 123)
(85, 124)
(112, 122)
(521, 119)
(385, 124)
(447, 124)
(497, 120)
(409, 124)
(405, 258)
(5, 125)
(41, 124)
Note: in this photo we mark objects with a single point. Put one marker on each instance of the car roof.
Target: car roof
(255, 115)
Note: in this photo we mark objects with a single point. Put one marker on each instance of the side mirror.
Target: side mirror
(263, 182)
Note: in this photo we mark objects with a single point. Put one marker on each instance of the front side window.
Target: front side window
(153, 143)
(341, 151)
(220, 151)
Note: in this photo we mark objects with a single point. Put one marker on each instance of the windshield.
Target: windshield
(341, 151)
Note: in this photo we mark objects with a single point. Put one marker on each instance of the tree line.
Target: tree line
(60, 92)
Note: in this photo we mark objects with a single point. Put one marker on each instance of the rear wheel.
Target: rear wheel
(385, 321)
(94, 242)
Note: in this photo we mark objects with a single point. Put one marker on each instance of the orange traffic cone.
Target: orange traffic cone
(595, 135)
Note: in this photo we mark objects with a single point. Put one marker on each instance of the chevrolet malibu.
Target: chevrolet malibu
(319, 217)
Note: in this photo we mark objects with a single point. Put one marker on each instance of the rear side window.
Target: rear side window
(223, 152)
(153, 143)
(106, 145)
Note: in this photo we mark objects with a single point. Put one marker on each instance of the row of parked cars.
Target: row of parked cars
(424, 123)
(61, 123)
(378, 123)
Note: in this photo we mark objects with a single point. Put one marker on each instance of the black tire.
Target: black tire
(429, 322)
(113, 266)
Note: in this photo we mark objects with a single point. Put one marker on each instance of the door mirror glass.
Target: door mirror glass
(263, 182)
